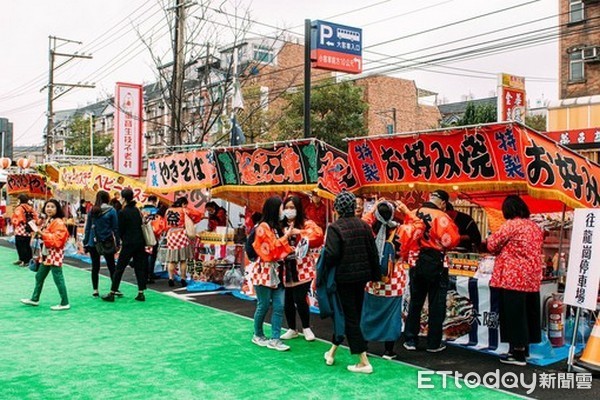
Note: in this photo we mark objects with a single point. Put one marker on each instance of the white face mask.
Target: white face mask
(289, 214)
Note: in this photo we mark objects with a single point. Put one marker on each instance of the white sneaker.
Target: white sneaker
(361, 369)
(278, 345)
(30, 302)
(308, 334)
(329, 360)
(60, 308)
(260, 341)
(289, 334)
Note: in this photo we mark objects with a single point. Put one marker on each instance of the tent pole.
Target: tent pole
(573, 341)
(560, 239)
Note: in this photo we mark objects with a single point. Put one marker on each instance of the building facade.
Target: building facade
(6, 138)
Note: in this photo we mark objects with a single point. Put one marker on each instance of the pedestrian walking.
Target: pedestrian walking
(22, 214)
(54, 235)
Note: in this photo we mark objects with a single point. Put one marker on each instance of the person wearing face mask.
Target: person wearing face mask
(217, 216)
(271, 245)
(299, 272)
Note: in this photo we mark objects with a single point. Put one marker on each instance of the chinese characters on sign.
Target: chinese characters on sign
(583, 273)
(128, 129)
(511, 98)
(191, 170)
(336, 47)
(490, 157)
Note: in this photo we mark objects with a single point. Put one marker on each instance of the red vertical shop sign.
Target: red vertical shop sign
(512, 101)
(128, 129)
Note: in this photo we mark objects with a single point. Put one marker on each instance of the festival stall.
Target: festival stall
(484, 164)
(84, 181)
(248, 175)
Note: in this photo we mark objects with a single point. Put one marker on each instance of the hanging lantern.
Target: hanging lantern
(24, 163)
(5, 162)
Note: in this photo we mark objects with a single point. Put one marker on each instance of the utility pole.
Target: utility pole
(52, 86)
(178, 76)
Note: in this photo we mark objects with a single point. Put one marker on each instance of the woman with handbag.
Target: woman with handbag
(54, 235)
(299, 268)
(272, 247)
(101, 236)
(179, 235)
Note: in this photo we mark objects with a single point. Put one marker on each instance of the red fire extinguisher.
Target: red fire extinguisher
(556, 320)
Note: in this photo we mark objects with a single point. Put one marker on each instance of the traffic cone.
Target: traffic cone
(590, 358)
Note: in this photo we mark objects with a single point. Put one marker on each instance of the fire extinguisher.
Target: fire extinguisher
(555, 311)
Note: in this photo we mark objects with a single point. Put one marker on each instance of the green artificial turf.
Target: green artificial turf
(168, 348)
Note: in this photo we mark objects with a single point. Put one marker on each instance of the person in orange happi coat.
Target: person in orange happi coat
(22, 214)
(431, 232)
(179, 246)
(54, 235)
(299, 270)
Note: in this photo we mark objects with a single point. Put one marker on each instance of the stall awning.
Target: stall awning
(248, 175)
(503, 157)
(181, 172)
(34, 185)
(94, 178)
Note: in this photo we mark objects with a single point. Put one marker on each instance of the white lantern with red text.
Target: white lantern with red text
(5, 162)
(24, 163)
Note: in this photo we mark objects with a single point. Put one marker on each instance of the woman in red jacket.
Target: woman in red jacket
(54, 235)
(518, 276)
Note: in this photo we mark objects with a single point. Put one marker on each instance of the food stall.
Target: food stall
(248, 175)
(482, 164)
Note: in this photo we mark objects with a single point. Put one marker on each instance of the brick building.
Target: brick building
(578, 107)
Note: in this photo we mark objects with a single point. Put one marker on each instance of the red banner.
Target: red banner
(184, 171)
(32, 184)
(576, 136)
(500, 157)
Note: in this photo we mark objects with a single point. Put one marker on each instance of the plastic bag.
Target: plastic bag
(234, 278)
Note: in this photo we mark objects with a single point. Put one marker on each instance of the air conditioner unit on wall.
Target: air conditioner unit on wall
(591, 54)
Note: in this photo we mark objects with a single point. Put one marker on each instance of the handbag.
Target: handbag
(34, 263)
(104, 247)
(148, 232)
(190, 228)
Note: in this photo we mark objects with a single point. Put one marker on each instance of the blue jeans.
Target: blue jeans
(266, 296)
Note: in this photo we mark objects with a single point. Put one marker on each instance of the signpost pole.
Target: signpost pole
(307, 34)
(573, 341)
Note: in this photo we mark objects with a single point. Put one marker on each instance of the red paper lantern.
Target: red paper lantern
(5, 162)
(24, 163)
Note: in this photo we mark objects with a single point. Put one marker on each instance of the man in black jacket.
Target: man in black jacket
(132, 240)
(350, 248)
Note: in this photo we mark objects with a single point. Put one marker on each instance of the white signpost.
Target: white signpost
(583, 275)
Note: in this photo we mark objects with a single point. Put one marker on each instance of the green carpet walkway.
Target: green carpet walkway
(167, 348)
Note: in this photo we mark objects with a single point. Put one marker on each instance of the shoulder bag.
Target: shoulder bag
(148, 232)
(106, 247)
(190, 228)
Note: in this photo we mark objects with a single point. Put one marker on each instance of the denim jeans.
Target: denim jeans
(265, 297)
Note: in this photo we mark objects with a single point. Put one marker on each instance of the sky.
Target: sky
(420, 41)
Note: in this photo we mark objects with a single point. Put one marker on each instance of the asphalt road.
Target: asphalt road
(456, 359)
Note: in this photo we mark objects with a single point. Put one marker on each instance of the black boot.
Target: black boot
(110, 297)
(140, 297)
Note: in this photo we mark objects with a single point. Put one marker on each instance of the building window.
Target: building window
(264, 54)
(576, 12)
(576, 72)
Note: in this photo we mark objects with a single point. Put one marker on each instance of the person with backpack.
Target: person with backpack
(23, 214)
(54, 235)
(250, 252)
(101, 237)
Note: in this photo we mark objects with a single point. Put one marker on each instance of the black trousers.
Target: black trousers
(296, 299)
(520, 318)
(428, 279)
(23, 245)
(351, 298)
(110, 263)
(152, 261)
(140, 260)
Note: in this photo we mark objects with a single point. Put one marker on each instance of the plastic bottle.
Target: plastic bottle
(562, 267)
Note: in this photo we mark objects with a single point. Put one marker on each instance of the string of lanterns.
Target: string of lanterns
(22, 163)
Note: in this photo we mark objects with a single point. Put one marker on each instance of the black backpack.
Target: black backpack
(28, 217)
(252, 256)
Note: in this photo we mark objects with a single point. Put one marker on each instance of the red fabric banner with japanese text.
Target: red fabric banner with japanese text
(183, 171)
(500, 157)
(33, 185)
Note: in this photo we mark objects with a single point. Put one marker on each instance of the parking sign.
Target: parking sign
(336, 47)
